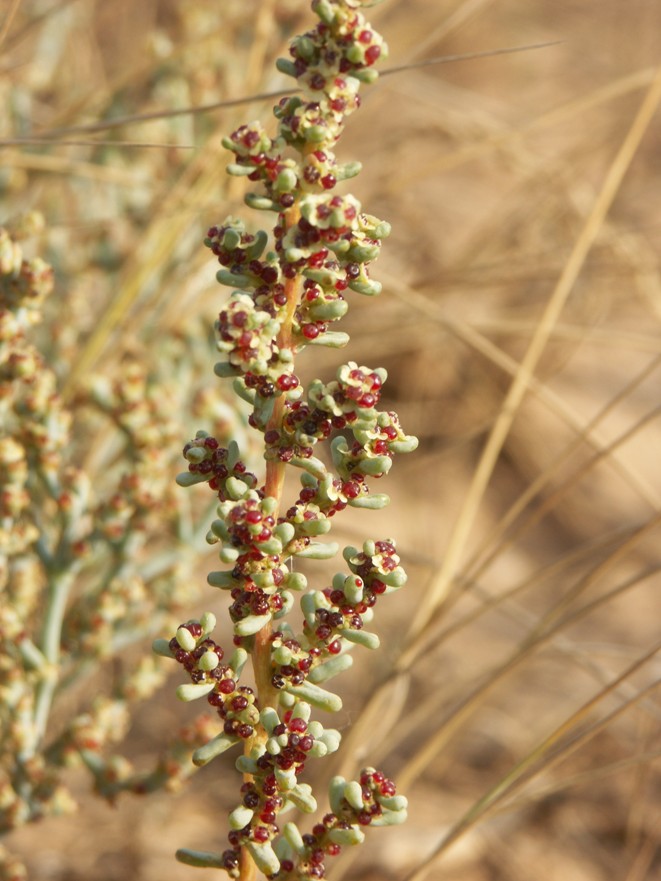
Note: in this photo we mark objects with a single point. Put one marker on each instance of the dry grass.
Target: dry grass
(516, 699)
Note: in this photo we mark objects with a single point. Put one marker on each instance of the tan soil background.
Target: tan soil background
(488, 170)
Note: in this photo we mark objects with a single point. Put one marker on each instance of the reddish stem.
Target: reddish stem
(267, 695)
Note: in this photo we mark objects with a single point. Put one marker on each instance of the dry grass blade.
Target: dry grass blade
(553, 622)
(502, 536)
(560, 743)
(448, 570)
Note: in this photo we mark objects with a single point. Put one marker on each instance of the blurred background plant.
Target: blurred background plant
(521, 705)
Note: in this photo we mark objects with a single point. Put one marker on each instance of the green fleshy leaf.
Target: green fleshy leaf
(237, 170)
(228, 554)
(186, 639)
(353, 793)
(251, 624)
(406, 445)
(331, 668)
(301, 796)
(209, 661)
(270, 547)
(394, 802)
(396, 578)
(336, 793)
(366, 75)
(207, 622)
(200, 858)
(282, 655)
(302, 711)
(286, 779)
(233, 279)
(269, 719)
(348, 170)
(240, 817)
(390, 818)
(225, 370)
(296, 581)
(374, 502)
(190, 478)
(369, 288)
(191, 691)
(162, 647)
(310, 602)
(375, 467)
(334, 339)
(264, 857)
(217, 745)
(350, 836)
(219, 529)
(285, 532)
(318, 750)
(293, 837)
(246, 394)
(317, 551)
(260, 203)
(287, 605)
(313, 466)
(332, 738)
(238, 661)
(284, 65)
(332, 311)
(233, 454)
(314, 527)
(223, 580)
(361, 637)
(246, 765)
(318, 697)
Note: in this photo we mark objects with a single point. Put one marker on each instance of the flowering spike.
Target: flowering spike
(289, 291)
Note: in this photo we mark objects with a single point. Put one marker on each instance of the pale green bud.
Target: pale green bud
(240, 817)
(186, 639)
(209, 661)
(303, 711)
(238, 661)
(293, 837)
(264, 857)
(207, 622)
(286, 779)
(296, 581)
(269, 718)
(353, 793)
(301, 796)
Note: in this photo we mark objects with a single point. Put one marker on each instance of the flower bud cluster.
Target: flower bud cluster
(288, 292)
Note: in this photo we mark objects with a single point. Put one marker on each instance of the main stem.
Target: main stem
(267, 695)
